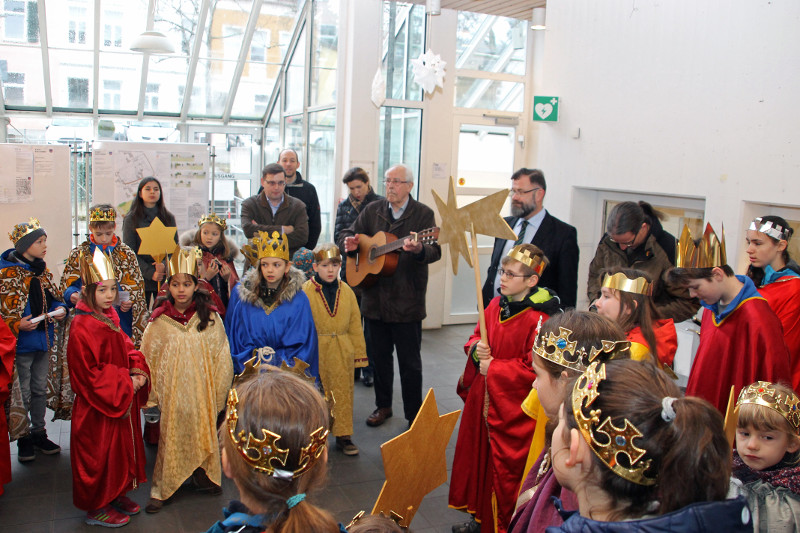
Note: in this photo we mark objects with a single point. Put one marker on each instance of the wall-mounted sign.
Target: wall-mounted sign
(545, 108)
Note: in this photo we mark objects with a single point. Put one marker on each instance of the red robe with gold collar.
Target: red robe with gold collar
(8, 344)
(783, 296)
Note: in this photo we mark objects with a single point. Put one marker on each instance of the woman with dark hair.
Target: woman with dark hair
(146, 206)
(634, 238)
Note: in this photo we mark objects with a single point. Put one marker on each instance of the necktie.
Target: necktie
(521, 235)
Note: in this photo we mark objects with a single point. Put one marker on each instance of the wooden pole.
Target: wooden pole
(478, 288)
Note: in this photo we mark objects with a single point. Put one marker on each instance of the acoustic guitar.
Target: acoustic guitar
(378, 255)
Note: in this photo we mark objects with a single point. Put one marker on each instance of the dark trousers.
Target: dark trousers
(406, 337)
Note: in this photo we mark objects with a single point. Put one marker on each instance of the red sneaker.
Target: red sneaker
(107, 517)
(125, 505)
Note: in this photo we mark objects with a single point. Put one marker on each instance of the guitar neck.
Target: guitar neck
(390, 247)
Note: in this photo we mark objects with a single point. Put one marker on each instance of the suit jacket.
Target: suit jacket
(559, 242)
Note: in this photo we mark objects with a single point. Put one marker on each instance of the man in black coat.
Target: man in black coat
(298, 188)
(533, 224)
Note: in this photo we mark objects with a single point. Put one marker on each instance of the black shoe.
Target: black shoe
(45, 445)
(367, 380)
(25, 449)
(467, 527)
(345, 444)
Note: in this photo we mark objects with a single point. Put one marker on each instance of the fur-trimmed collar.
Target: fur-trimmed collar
(248, 288)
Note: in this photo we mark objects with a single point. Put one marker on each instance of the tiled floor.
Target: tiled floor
(39, 498)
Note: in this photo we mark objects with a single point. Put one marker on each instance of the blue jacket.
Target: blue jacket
(730, 516)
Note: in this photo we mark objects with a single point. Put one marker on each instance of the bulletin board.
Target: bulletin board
(34, 182)
(182, 169)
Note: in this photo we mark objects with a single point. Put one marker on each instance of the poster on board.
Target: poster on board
(182, 169)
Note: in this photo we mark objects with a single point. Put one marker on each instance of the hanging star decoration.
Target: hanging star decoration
(484, 215)
(415, 462)
(158, 240)
(428, 70)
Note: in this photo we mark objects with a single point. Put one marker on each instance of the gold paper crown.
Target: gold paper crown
(525, 257)
(96, 268)
(98, 214)
(184, 261)
(621, 282)
(764, 393)
(261, 246)
(264, 454)
(22, 229)
(213, 218)
(565, 352)
(332, 253)
(708, 252)
(613, 440)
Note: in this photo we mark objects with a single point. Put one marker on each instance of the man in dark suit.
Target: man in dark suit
(533, 224)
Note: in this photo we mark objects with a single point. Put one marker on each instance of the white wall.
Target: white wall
(680, 97)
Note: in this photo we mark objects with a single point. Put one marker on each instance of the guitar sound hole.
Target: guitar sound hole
(372, 254)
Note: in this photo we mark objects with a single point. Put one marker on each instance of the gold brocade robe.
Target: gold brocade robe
(191, 374)
(341, 348)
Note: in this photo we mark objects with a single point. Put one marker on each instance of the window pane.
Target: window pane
(70, 24)
(70, 72)
(324, 44)
(293, 133)
(295, 91)
(490, 44)
(21, 73)
(169, 73)
(213, 82)
(125, 68)
(320, 169)
(272, 135)
(489, 94)
(400, 139)
(403, 40)
(255, 89)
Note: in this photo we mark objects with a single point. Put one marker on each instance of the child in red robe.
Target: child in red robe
(495, 434)
(111, 381)
(8, 344)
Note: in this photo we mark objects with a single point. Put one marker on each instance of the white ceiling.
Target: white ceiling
(518, 9)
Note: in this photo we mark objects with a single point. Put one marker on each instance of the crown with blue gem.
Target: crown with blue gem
(564, 351)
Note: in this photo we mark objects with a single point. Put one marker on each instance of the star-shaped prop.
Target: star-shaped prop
(414, 462)
(428, 70)
(158, 240)
(483, 216)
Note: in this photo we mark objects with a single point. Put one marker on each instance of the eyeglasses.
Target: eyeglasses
(520, 192)
(508, 274)
(394, 182)
(626, 244)
(274, 183)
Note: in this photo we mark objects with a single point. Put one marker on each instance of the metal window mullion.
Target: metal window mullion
(192, 72)
(255, 12)
(309, 16)
(96, 69)
(477, 39)
(48, 92)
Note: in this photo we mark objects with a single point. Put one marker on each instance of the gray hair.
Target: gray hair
(409, 174)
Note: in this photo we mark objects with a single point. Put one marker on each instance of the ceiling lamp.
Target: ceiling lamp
(538, 18)
(433, 7)
(152, 42)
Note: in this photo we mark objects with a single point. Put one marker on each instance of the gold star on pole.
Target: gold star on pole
(158, 240)
(482, 215)
(415, 462)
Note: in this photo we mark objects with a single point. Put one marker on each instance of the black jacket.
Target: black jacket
(307, 193)
(346, 214)
(559, 242)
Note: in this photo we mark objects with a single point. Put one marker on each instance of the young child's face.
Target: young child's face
(708, 290)
(103, 235)
(608, 304)
(550, 389)
(762, 449)
(210, 234)
(328, 270)
(514, 283)
(106, 293)
(182, 288)
(273, 269)
(38, 249)
(761, 249)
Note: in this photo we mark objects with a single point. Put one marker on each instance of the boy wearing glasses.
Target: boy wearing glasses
(274, 210)
(497, 378)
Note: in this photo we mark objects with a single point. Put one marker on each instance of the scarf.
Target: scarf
(784, 474)
(357, 203)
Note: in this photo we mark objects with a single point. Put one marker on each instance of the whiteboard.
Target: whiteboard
(34, 182)
(182, 169)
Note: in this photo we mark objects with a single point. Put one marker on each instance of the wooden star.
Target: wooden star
(482, 215)
(158, 240)
(415, 462)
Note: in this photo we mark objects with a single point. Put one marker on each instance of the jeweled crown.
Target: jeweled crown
(764, 393)
(22, 229)
(99, 214)
(606, 440)
(523, 255)
(96, 267)
(264, 454)
(621, 282)
(262, 245)
(708, 252)
(184, 261)
(565, 352)
(773, 229)
(213, 218)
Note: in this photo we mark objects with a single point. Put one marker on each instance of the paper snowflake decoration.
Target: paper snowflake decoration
(428, 71)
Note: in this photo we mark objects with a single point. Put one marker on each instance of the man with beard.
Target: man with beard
(533, 224)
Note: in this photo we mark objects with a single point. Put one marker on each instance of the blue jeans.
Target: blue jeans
(32, 369)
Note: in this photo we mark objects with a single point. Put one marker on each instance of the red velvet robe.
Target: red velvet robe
(8, 345)
(666, 339)
(106, 448)
(744, 347)
(495, 434)
(783, 296)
